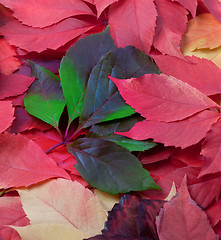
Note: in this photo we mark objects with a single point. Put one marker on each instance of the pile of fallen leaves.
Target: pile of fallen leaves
(110, 119)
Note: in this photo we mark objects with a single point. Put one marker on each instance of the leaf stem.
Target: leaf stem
(55, 146)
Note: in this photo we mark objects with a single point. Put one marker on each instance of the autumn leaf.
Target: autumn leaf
(137, 15)
(8, 62)
(101, 5)
(52, 37)
(13, 85)
(156, 96)
(7, 115)
(74, 215)
(179, 134)
(132, 218)
(171, 24)
(24, 163)
(11, 214)
(56, 11)
(181, 218)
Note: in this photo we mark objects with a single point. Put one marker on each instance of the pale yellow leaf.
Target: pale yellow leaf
(63, 202)
(202, 32)
(211, 54)
(50, 232)
(172, 192)
(107, 200)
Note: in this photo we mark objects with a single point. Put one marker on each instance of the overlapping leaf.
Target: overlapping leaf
(109, 167)
(7, 115)
(45, 13)
(45, 98)
(132, 218)
(183, 214)
(24, 163)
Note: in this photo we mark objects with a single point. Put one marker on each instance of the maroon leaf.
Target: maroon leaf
(132, 218)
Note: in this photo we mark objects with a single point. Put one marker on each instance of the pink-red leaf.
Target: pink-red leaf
(6, 115)
(182, 219)
(43, 13)
(8, 63)
(189, 5)
(13, 85)
(179, 134)
(214, 7)
(24, 163)
(11, 214)
(201, 73)
(162, 98)
(133, 23)
(212, 150)
(101, 5)
(35, 39)
(171, 24)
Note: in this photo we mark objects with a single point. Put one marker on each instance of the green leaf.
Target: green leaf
(76, 66)
(44, 98)
(103, 101)
(110, 167)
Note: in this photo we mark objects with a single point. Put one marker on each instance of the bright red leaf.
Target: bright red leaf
(13, 85)
(179, 134)
(47, 12)
(199, 73)
(12, 213)
(132, 23)
(35, 39)
(171, 24)
(6, 115)
(8, 63)
(182, 219)
(214, 212)
(162, 98)
(24, 163)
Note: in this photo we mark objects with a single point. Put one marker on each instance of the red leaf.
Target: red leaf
(35, 39)
(6, 115)
(171, 24)
(45, 13)
(8, 63)
(179, 134)
(162, 98)
(102, 4)
(24, 163)
(214, 7)
(190, 5)
(133, 23)
(13, 85)
(182, 219)
(12, 213)
(24, 121)
(132, 218)
(214, 212)
(203, 74)
(212, 150)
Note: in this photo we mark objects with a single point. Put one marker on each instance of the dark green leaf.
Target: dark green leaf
(45, 98)
(110, 167)
(76, 66)
(102, 100)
